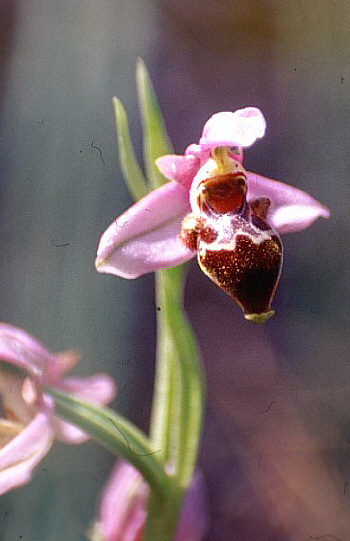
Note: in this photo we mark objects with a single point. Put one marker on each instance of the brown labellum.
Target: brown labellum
(248, 273)
(237, 248)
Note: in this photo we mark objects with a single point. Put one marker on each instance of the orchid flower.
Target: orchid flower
(123, 508)
(29, 425)
(213, 208)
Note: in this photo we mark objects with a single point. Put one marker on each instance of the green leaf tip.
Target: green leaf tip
(259, 318)
(132, 172)
(156, 141)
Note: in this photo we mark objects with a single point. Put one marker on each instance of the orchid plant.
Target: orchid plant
(205, 204)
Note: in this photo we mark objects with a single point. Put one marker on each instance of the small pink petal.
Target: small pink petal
(19, 457)
(291, 209)
(239, 129)
(145, 237)
(98, 389)
(182, 169)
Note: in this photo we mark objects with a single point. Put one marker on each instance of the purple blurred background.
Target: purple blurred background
(276, 442)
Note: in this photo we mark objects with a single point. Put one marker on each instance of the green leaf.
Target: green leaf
(156, 141)
(116, 434)
(132, 172)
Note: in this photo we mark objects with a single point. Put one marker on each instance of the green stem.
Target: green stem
(164, 516)
(161, 413)
(189, 394)
(177, 402)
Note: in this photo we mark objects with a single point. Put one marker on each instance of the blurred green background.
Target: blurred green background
(276, 443)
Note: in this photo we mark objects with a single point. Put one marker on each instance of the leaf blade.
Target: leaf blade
(156, 141)
(132, 172)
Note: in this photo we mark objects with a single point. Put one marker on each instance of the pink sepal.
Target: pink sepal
(291, 208)
(145, 237)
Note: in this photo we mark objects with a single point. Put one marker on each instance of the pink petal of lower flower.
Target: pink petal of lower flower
(123, 508)
(182, 169)
(67, 433)
(59, 364)
(19, 457)
(19, 348)
(291, 209)
(99, 389)
(241, 128)
(145, 237)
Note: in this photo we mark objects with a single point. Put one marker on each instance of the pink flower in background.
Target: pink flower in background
(123, 508)
(29, 426)
(213, 208)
